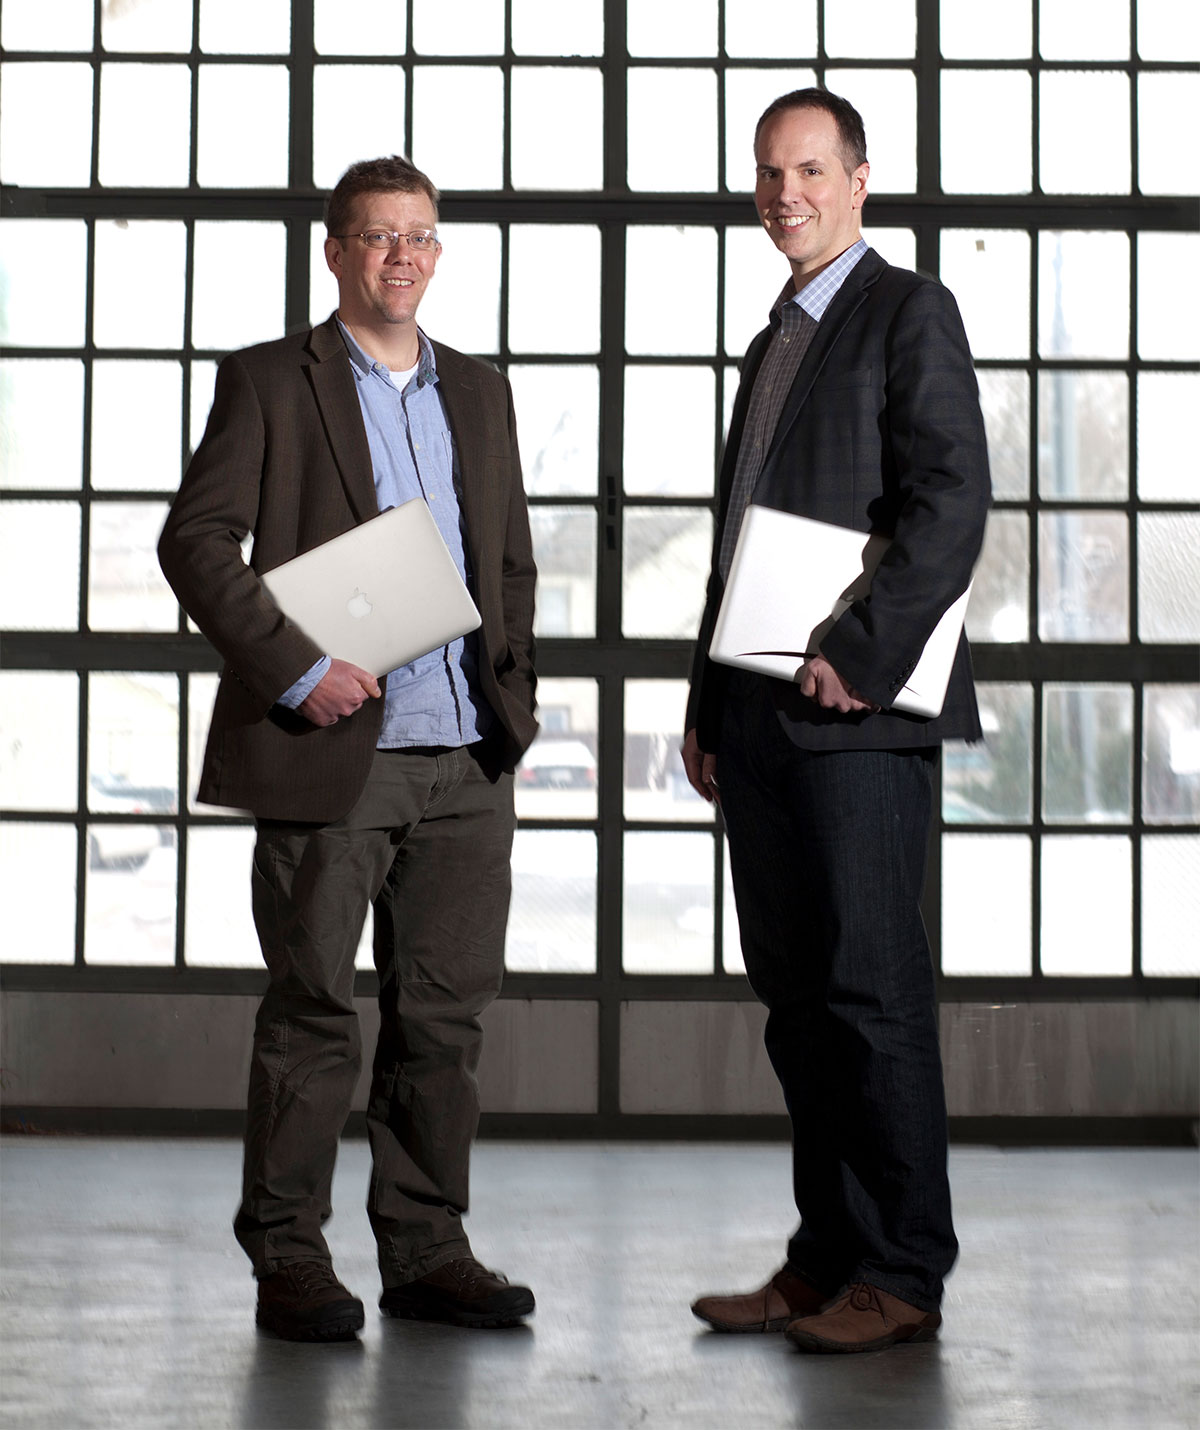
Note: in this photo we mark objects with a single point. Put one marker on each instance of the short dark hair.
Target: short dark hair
(852, 138)
(395, 175)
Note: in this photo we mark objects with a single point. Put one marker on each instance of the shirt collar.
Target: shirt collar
(363, 366)
(815, 297)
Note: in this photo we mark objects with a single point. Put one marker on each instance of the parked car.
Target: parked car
(122, 844)
(557, 764)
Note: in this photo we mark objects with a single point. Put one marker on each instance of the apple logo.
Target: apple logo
(358, 605)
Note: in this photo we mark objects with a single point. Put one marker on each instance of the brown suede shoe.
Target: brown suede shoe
(863, 1318)
(306, 1302)
(463, 1293)
(785, 1297)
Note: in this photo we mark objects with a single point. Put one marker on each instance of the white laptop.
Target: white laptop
(380, 595)
(791, 579)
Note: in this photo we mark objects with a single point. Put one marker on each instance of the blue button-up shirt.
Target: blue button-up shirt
(435, 700)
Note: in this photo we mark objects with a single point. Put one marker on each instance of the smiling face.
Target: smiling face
(806, 200)
(380, 290)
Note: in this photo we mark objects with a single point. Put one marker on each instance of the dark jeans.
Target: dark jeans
(828, 855)
(429, 844)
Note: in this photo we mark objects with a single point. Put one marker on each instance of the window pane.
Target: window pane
(1171, 905)
(1165, 401)
(351, 27)
(134, 257)
(41, 438)
(130, 895)
(1083, 435)
(1168, 576)
(33, 152)
(672, 27)
(874, 29)
(552, 920)
(39, 565)
(562, 263)
(338, 91)
(1004, 398)
(39, 314)
(548, 27)
(990, 159)
(136, 417)
(1171, 754)
(1105, 36)
(231, 27)
(1087, 754)
(564, 545)
(668, 907)
(126, 588)
(462, 307)
(753, 28)
(230, 153)
(37, 892)
(732, 960)
(897, 246)
(218, 928)
(202, 690)
(987, 904)
(459, 148)
(666, 456)
(1167, 30)
(34, 25)
(1169, 282)
(999, 606)
(655, 784)
(204, 379)
(887, 101)
(747, 94)
(1072, 269)
(992, 782)
(755, 272)
(656, 321)
(568, 154)
(133, 743)
(147, 29)
(667, 552)
(1091, 936)
(238, 286)
(135, 153)
(556, 778)
(987, 270)
(1102, 165)
(672, 130)
(971, 31)
(468, 27)
(1083, 576)
(1167, 103)
(39, 739)
(558, 418)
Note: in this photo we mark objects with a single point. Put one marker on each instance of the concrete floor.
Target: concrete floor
(126, 1302)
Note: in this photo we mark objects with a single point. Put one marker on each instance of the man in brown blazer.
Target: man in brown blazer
(395, 793)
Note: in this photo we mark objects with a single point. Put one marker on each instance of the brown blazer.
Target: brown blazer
(285, 457)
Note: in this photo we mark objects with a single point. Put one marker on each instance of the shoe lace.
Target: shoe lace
(864, 1298)
(313, 1276)
(469, 1272)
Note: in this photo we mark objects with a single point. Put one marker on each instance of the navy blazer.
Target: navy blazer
(881, 432)
(285, 456)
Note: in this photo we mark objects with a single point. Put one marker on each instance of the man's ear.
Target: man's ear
(333, 256)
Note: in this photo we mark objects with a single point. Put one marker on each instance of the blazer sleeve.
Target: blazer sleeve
(200, 549)
(520, 577)
(940, 490)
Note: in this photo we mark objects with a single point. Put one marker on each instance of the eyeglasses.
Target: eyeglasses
(424, 240)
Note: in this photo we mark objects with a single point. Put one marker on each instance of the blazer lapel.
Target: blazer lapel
(461, 400)
(849, 298)
(337, 399)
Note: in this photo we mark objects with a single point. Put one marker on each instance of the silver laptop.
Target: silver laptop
(791, 579)
(380, 595)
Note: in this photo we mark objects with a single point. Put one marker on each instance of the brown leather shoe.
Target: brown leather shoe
(463, 1293)
(863, 1318)
(306, 1302)
(785, 1297)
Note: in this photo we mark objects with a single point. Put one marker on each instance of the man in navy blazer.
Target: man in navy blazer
(858, 406)
(393, 793)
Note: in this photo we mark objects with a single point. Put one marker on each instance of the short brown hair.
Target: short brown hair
(852, 138)
(394, 175)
